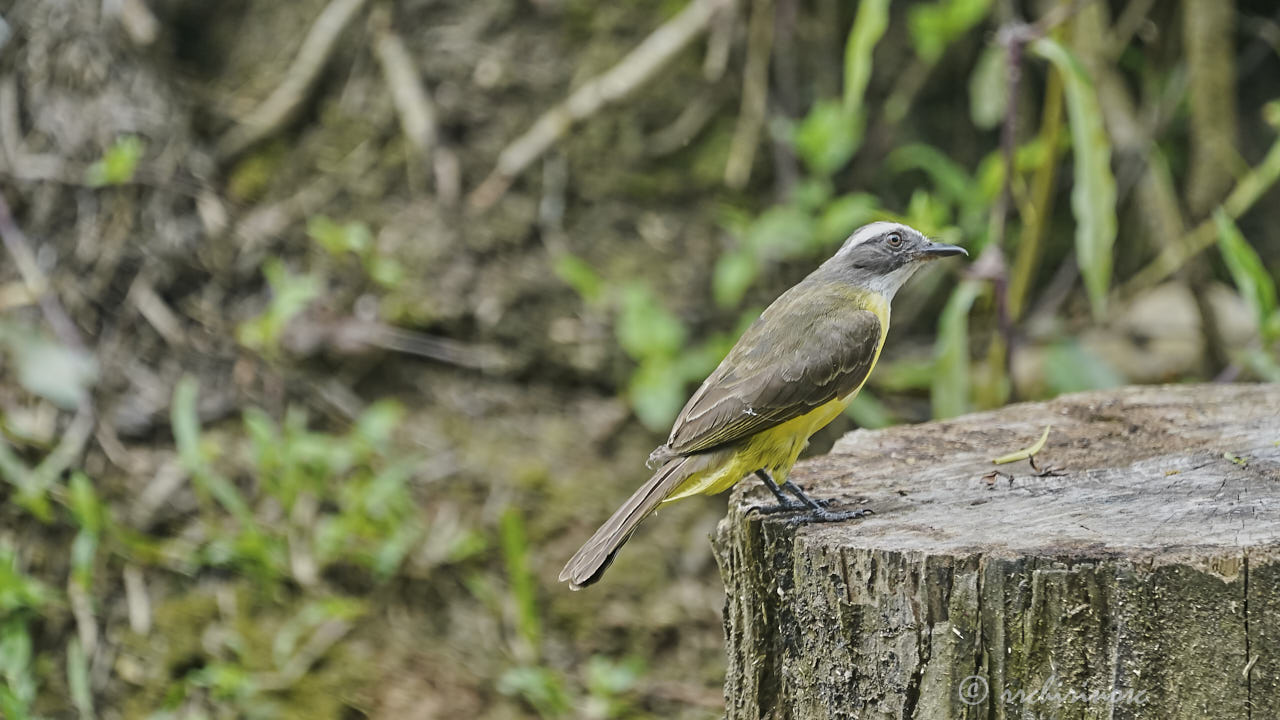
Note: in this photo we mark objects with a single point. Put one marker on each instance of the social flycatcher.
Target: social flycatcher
(793, 371)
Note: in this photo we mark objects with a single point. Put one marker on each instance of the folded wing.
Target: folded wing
(784, 366)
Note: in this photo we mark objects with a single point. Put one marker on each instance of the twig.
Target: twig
(755, 95)
(169, 478)
(155, 310)
(306, 336)
(279, 107)
(138, 21)
(68, 450)
(615, 84)
(82, 610)
(719, 42)
(267, 222)
(1131, 18)
(15, 241)
(320, 642)
(1208, 42)
(413, 104)
(1014, 36)
(695, 116)
(139, 604)
(1028, 254)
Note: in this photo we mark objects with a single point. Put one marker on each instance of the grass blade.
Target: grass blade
(1093, 194)
(868, 28)
(1247, 271)
(1025, 453)
(950, 387)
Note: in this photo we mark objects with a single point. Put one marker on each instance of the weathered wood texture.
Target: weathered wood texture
(1150, 569)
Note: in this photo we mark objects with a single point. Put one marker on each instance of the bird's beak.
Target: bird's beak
(937, 250)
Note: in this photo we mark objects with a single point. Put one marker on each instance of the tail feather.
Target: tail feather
(594, 557)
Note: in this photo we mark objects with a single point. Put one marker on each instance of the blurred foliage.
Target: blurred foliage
(1093, 192)
(118, 163)
(1258, 288)
(305, 520)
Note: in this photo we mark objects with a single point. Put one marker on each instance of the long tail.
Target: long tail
(593, 558)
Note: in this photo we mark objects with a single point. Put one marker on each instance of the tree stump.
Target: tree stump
(1142, 582)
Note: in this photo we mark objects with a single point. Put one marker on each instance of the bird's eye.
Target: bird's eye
(895, 240)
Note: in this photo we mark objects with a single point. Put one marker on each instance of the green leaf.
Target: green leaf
(950, 388)
(55, 372)
(949, 178)
(989, 87)
(827, 137)
(734, 273)
(541, 687)
(18, 691)
(810, 193)
(867, 410)
(935, 26)
(645, 328)
(1093, 195)
(19, 591)
(290, 295)
(515, 551)
(577, 274)
(1068, 368)
(84, 552)
(904, 375)
(78, 679)
(384, 270)
(85, 506)
(378, 423)
(607, 678)
(1262, 363)
(868, 27)
(1247, 271)
(118, 163)
(186, 435)
(844, 215)
(781, 232)
(928, 213)
(656, 392)
(337, 240)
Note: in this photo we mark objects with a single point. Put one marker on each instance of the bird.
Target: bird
(794, 370)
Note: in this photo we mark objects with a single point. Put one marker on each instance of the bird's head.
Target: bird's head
(882, 255)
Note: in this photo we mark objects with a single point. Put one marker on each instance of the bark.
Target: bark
(1150, 568)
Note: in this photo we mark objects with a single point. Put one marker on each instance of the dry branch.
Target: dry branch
(615, 84)
(279, 108)
(755, 95)
(15, 241)
(413, 104)
(1208, 31)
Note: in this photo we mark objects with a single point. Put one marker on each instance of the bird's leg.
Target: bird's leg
(820, 513)
(801, 502)
(785, 504)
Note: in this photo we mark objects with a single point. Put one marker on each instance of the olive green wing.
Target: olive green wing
(785, 365)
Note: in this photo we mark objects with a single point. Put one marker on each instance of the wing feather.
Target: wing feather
(766, 380)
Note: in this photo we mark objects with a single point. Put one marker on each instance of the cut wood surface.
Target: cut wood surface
(1142, 582)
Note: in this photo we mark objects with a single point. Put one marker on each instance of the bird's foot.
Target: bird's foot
(786, 505)
(815, 507)
(824, 515)
(804, 513)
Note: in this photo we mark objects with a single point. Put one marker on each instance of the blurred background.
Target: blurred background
(330, 328)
